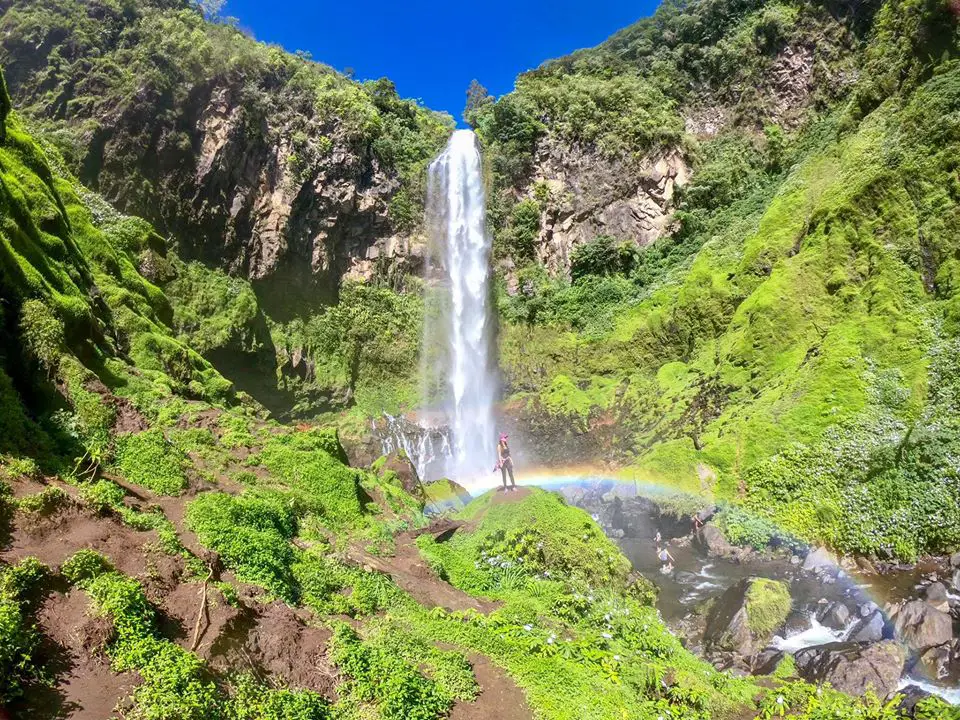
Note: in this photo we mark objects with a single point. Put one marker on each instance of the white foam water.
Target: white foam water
(950, 694)
(816, 634)
(457, 198)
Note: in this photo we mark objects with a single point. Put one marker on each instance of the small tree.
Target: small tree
(210, 8)
(477, 98)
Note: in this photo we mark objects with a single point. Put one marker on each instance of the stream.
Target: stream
(830, 604)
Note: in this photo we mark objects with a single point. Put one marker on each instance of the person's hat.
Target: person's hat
(503, 436)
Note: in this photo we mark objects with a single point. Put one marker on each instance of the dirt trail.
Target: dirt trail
(499, 697)
(86, 688)
(412, 574)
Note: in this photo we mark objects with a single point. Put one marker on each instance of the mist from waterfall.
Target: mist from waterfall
(463, 362)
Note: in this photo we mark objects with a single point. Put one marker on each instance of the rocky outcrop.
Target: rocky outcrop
(744, 618)
(854, 668)
(443, 495)
(922, 626)
(592, 194)
(263, 165)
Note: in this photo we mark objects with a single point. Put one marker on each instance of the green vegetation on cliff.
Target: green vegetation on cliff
(787, 343)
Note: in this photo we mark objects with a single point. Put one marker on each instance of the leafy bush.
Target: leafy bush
(103, 495)
(398, 689)
(85, 565)
(147, 459)
(603, 256)
(251, 533)
(45, 502)
(18, 636)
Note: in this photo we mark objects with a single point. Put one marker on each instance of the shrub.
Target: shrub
(45, 502)
(147, 459)
(18, 637)
(85, 565)
(43, 333)
(603, 256)
(251, 533)
(399, 691)
(103, 495)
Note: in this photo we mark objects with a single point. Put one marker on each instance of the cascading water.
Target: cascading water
(458, 206)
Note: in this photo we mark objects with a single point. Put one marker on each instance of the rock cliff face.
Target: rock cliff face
(272, 167)
(596, 195)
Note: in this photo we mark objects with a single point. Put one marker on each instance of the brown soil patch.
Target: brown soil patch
(207, 419)
(412, 574)
(54, 538)
(182, 607)
(23, 487)
(499, 696)
(86, 688)
(275, 641)
(508, 497)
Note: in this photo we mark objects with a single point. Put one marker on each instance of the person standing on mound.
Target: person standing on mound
(505, 462)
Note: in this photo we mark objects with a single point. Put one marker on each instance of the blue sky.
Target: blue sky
(431, 49)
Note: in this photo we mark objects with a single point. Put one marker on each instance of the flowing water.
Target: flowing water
(458, 205)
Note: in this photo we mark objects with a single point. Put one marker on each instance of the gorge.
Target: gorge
(261, 325)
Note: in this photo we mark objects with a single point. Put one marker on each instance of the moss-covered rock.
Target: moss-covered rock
(768, 604)
(744, 618)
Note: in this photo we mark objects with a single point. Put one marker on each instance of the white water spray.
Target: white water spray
(458, 203)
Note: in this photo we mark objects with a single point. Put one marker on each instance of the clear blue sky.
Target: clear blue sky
(432, 49)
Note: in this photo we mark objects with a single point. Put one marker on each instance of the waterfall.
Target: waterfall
(458, 208)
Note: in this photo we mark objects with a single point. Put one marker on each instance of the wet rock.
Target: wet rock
(819, 559)
(711, 539)
(730, 626)
(797, 622)
(445, 495)
(955, 580)
(936, 595)
(921, 625)
(400, 464)
(868, 608)
(854, 667)
(911, 696)
(685, 578)
(834, 615)
(955, 560)
(868, 629)
(937, 661)
(766, 662)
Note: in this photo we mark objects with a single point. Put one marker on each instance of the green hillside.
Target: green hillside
(790, 345)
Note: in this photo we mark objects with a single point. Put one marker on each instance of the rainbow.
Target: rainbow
(555, 478)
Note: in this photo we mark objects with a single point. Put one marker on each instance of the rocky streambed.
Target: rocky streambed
(853, 623)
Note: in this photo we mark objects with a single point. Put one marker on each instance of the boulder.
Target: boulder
(712, 540)
(853, 667)
(912, 695)
(937, 661)
(400, 464)
(767, 661)
(834, 615)
(445, 495)
(955, 581)
(744, 618)
(819, 559)
(936, 595)
(955, 560)
(868, 629)
(922, 626)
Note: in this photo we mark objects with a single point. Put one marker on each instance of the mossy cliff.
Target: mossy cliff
(788, 342)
